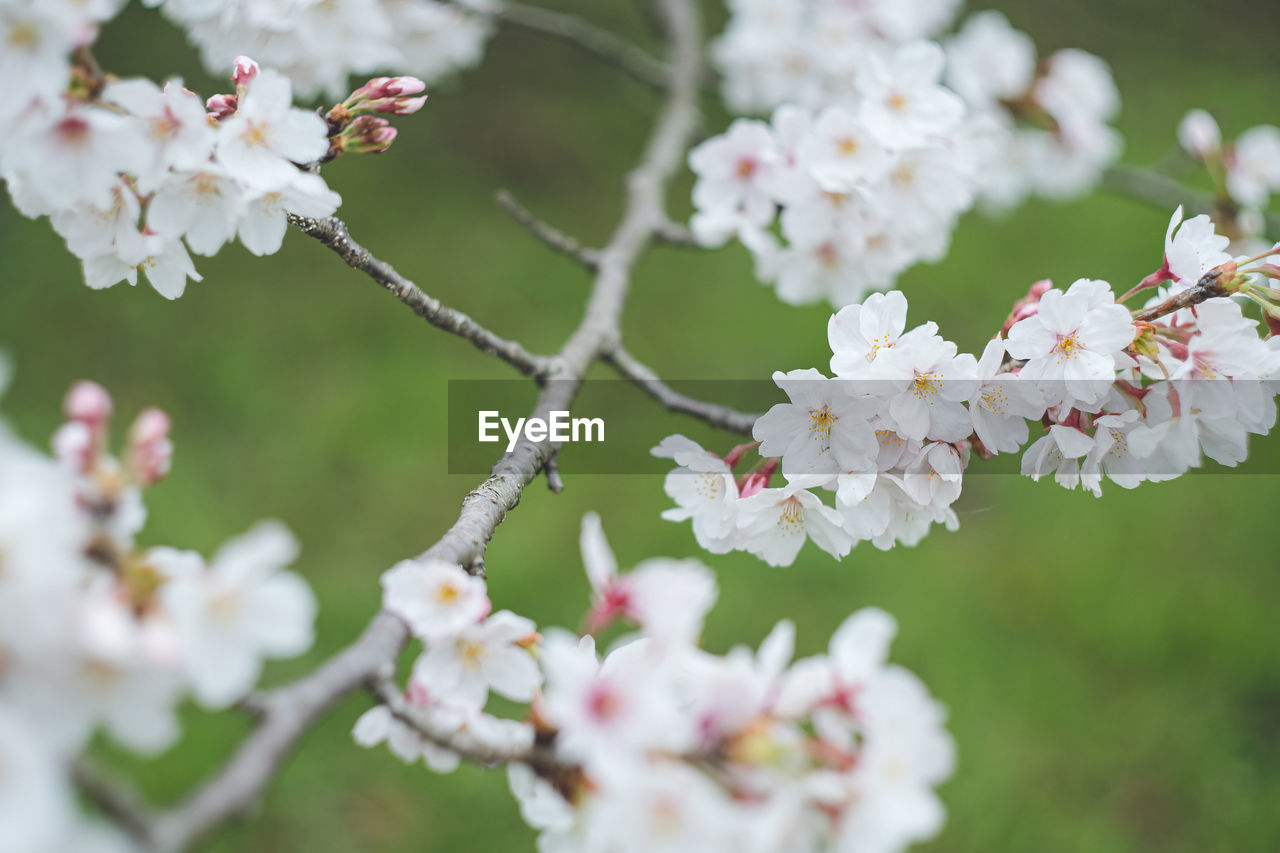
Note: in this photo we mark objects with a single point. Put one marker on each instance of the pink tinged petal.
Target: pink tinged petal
(597, 557)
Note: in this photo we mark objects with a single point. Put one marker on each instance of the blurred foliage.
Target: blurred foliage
(1110, 666)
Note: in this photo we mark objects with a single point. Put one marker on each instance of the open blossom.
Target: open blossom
(200, 206)
(776, 522)
(668, 599)
(858, 333)
(435, 598)
(904, 104)
(267, 135)
(1194, 249)
(1072, 343)
(824, 429)
(264, 215)
(73, 154)
(35, 63)
(1002, 403)
(704, 490)
(989, 61)
(489, 655)
(240, 609)
(174, 123)
(925, 384)
(733, 172)
(164, 262)
(606, 711)
(1253, 170)
(842, 151)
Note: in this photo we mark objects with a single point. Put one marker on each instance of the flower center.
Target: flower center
(1067, 347)
(820, 423)
(447, 594)
(926, 385)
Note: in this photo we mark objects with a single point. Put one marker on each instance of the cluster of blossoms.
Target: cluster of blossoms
(869, 158)
(100, 634)
(1246, 173)
(135, 176)
(320, 45)
(658, 744)
(892, 432)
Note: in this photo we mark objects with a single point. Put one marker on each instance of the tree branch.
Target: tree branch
(288, 712)
(1167, 194)
(119, 802)
(600, 43)
(332, 232)
(719, 416)
(558, 241)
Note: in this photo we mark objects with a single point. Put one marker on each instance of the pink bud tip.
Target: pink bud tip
(244, 70)
(409, 106)
(222, 106)
(89, 403)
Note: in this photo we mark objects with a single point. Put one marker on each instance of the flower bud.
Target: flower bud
(150, 450)
(74, 446)
(387, 95)
(89, 403)
(222, 106)
(1027, 306)
(1198, 134)
(367, 135)
(244, 70)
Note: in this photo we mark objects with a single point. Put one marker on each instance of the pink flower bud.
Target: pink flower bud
(368, 135)
(222, 106)
(244, 70)
(387, 95)
(735, 455)
(88, 402)
(1027, 306)
(150, 450)
(754, 483)
(74, 446)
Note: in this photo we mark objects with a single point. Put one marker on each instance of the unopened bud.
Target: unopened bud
(735, 455)
(88, 402)
(759, 480)
(387, 95)
(1198, 134)
(222, 106)
(150, 450)
(243, 70)
(74, 446)
(368, 135)
(1027, 306)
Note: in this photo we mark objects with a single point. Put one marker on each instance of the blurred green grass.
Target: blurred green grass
(1110, 666)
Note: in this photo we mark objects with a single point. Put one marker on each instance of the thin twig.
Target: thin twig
(332, 232)
(117, 800)
(675, 234)
(719, 416)
(288, 712)
(598, 42)
(558, 241)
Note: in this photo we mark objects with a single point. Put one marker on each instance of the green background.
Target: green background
(1110, 665)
